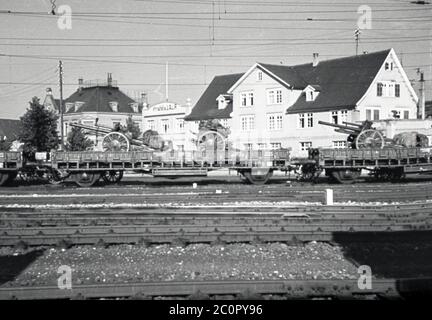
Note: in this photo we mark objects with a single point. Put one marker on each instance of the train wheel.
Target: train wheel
(346, 176)
(257, 178)
(112, 176)
(86, 179)
(4, 177)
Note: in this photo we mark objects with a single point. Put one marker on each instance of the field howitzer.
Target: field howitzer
(360, 136)
(113, 140)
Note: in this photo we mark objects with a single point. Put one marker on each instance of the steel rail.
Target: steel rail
(336, 288)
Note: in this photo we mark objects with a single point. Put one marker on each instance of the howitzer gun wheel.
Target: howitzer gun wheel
(370, 139)
(86, 179)
(115, 141)
(112, 176)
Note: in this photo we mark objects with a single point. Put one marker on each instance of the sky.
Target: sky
(135, 39)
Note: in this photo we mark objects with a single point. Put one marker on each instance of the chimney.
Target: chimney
(48, 91)
(109, 80)
(315, 60)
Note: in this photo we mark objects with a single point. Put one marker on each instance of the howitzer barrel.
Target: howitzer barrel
(338, 126)
(92, 128)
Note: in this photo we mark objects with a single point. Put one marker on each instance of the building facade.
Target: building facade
(276, 106)
(97, 103)
(167, 118)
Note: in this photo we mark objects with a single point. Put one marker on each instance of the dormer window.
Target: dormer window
(69, 106)
(114, 106)
(223, 101)
(78, 104)
(311, 93)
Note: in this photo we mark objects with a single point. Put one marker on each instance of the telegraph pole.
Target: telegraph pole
(61, 104)
(166, 81)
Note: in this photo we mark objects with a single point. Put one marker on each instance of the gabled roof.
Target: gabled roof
(342, 82)
(9, 128)
(207, 106)
(97, 99)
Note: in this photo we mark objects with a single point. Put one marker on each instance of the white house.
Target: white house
(273, 106)
(167, 118)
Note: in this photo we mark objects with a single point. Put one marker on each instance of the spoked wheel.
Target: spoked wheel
(4, 178)
(257, 178)
(86, 179)
(112, 176)
(346, 176)
(370, 139)
(115, 141)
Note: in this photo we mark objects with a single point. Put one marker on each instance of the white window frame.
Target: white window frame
(247, 99)
(305, 145)
(275, 145)
(401, 112)
(179, 124)
(339, 144)
(301, 121)
(310, 123)
(274, 96)
(372, 110)
(163, 122)
(260, 75)
(247, 123)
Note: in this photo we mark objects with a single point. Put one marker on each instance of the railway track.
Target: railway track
(195, 224)
(214, 193)
(250, 289)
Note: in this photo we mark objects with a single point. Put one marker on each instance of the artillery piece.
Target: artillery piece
(360, 136)
(113, 140)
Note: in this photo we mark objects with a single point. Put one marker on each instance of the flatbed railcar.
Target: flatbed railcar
(256, 167)
(345, 165)
(86, 167)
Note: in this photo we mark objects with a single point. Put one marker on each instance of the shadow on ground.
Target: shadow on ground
(12, 266)
(393, 255)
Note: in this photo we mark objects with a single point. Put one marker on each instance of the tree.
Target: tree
(38, 129)
(133, 128)
(77, 140)
(4, 144)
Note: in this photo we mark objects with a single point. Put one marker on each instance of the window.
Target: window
(165, 125)
(334, 117)
(386, 66)
(305, 145)
(262, 146)
(339, 144)
(400, 114)
(279, 123)
(247, 99)
(397, 90)
(224, 123)
(372, 114)
(114, 106)
(151, 124)
(406, 114)
(275, 145)
(310, 120)
(344, 116)
(179, 124)
(379, 89)
(259, 75)
(274, 96)
(271, 122)
(301, 120)
(274, 122)
(247, 123)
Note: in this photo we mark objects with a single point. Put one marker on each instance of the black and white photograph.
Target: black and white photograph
(215, 155)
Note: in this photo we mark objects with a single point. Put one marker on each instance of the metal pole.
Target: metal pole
(422, 96)
(61, 104)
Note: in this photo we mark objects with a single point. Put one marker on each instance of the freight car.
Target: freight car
(256, 167)
(86, 167)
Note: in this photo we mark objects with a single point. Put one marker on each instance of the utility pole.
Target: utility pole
(357, 39)
(61, 104)
(166, 81)
(422, 111)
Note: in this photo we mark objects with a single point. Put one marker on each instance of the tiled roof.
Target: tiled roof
(342, 82)
(9, 128)
(97, 99)
(207, 106)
